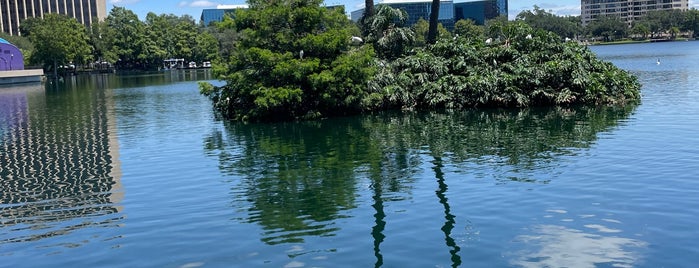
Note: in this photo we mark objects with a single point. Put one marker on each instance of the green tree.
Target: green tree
(607, 27)
(434, 20)
(540, 19)
(58, 40)
(226, 35)
(206, 48)
(691, 22)
(468, 29)
(421, 29)
(102, 41)
(129, 41)
(293, 60)
(520, 67)
(388, 32)
(640, 30)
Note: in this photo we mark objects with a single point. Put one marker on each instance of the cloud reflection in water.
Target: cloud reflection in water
(558, 246)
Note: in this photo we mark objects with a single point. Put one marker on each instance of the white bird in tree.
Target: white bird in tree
(301, 54)
(488, 41)
(356, 40)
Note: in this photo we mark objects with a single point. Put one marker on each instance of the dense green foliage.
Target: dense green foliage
(122, 39)
(57, 40)
(292, 60)
(655, 24)
(521, 67)
(563, 26)
(285, 68)
(388, 32)
(672, 22)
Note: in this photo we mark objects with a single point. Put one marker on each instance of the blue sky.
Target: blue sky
(194, 7)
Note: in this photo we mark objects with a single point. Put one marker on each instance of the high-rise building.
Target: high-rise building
(626, 10)
(480, 11)
(14, 12)
(216, 14)
(449, 11)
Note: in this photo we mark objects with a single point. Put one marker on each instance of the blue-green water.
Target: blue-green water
(110, 171)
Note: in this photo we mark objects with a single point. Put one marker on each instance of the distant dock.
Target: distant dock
(21, 76)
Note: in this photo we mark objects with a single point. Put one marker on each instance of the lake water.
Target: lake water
(137, 171)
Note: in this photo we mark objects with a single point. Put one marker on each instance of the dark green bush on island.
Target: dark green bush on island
(294, 60)
(517, 66)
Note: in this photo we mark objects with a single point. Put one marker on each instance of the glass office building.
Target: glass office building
(216, 14)
(480, 11)
(449, 12)
(13, 12)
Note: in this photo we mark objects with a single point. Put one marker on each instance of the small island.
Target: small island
(287, 68)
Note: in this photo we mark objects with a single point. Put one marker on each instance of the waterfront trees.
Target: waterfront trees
(608, 27)
(58, 40)
(538, 18)
(468, 29)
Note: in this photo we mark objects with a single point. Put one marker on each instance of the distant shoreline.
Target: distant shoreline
(640, 41)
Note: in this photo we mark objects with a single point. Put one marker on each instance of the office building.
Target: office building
(627, 10)
(449, 12)
(13, 12)
(216, 14)
(480, 11)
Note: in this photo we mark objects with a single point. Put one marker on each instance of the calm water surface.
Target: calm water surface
(136, 171)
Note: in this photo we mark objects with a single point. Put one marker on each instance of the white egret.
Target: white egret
(356, 40)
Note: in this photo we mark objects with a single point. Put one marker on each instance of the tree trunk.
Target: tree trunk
(368, 13)
(434, 20)
(368, 8)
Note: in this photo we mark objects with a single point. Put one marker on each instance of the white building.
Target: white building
(627, 10)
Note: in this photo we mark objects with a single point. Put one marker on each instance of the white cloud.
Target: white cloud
(123, 2)
(203, 3)
(182, 4)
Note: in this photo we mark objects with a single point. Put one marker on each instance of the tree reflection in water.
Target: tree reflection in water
(299, 177)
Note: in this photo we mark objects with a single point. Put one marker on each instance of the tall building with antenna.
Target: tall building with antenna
(14, 12)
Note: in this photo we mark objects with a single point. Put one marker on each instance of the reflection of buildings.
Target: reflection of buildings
(449, 11)
(13, 12)
(58, 163)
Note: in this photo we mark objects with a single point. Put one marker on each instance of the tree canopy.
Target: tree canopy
(285, 68)
(292, 60)
(58, 40)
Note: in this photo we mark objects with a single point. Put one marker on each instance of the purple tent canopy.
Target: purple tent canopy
(10, 57)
